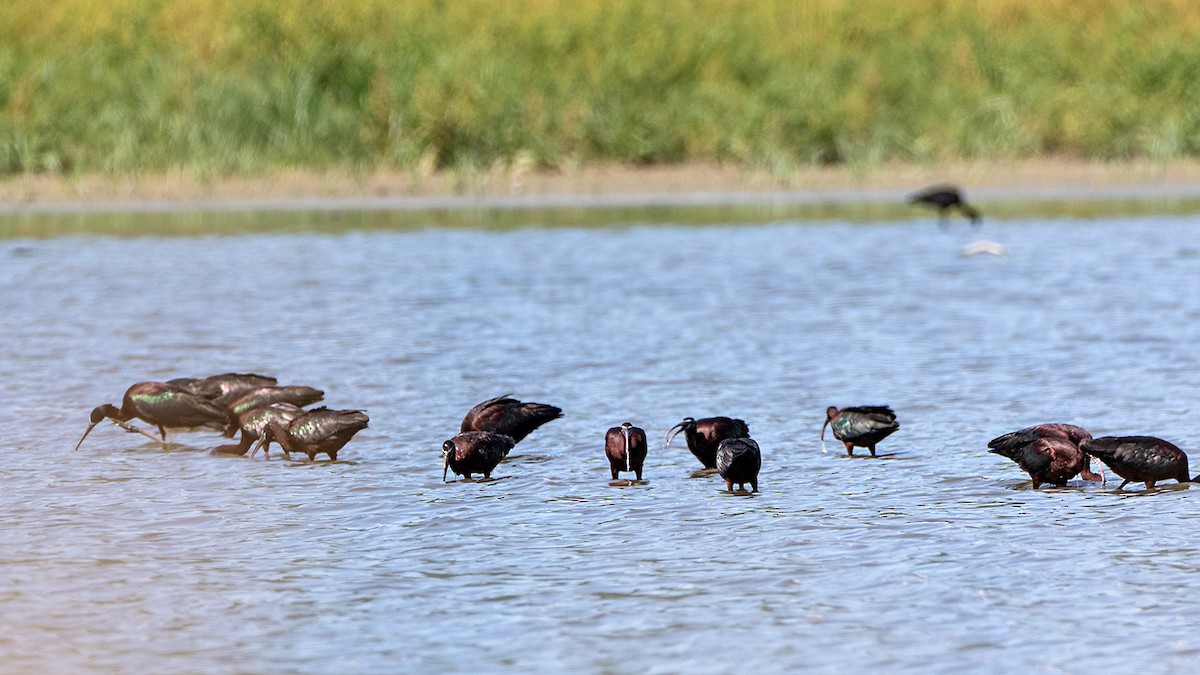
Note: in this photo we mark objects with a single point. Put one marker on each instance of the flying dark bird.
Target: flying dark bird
(943, 198)
(1141, 459)
(1049, 453)
(252, 422)
(316, 431)
(863, 426)
(738, 461)
(162, 405)
(264, 396)
(474, 452)
(508, 416)
(704, 435)
(225, 388)
(626, 449)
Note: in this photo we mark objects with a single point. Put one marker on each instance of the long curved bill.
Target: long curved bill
(254, 450)
(445, 466)
(85, 434)
(823, 429)
(672, 433)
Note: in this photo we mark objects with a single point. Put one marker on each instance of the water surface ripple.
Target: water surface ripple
(125, 557)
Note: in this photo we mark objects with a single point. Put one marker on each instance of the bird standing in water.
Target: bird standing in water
(316, 431)
(474, 452)
(704, 435)
(162, 405)
(626, 449)
(1049, 453)
(863, 426)
(264, 396)
(943, 198)
(508, 416)
(1141, 459)
(738, 461)
(254, 421)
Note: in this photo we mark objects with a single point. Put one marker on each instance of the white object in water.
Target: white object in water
(984, 246)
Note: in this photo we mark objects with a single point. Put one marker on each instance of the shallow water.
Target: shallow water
(125, 557)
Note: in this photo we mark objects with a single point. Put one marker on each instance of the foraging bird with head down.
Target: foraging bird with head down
(704, 435)
(944, 198)
(162, 405)
(508, 416)
(1049, 453)
(626, 449)
(263, 396)
(254, 421)
(473, 452)
(313, 432)
(739, 461)
(862, 426)
(1140, 459)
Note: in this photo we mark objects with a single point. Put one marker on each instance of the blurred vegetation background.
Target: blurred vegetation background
(246, 86)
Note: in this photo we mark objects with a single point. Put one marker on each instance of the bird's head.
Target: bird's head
(448, 451)
(688, 424)
(830, 413)
(98, 414)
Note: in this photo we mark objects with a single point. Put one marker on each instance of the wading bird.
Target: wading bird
(626, 449)
(738, 461)
(863, 426)
(252, 423)
(508, 416)
(474, 452)
(263, 396)
(225, 388)
(1049, 453)
(704, 435)
(1140, 459)
(162, 405)
(943, 198)
(316, 431)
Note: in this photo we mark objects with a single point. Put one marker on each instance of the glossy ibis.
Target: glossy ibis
(1049, 453)
(313, 432)
(863, 426)
(225, 388)
(738, 461)
(162, 405)
(943, 198)
(508, 416)
(704, 435)
(1141, 459)
(626, 449)
(252, 422)
(263, 396)
(474, 452)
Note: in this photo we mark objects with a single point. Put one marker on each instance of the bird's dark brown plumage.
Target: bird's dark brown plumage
(862, 426)
(739, 461)
(162, 405)
(626, 449)
(254, 421)
(263, 396)
(225, 388)
(510, 417)
(704, 435)
(1049, 453)
(472, 452)
(943, 198)
(317, 431)
(1140, 459)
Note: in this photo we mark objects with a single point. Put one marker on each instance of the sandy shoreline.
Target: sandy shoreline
(692, 184)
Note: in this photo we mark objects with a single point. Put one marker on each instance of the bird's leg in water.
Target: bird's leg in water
(849, 449)
(136, 430)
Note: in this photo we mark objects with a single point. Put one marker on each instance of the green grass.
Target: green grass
(217, 87)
